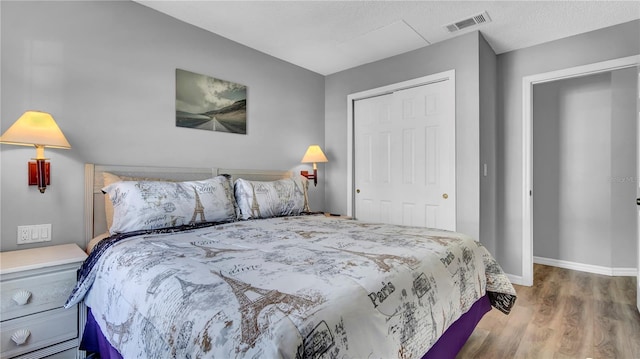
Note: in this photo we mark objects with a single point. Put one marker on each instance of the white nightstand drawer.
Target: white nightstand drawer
(44, 329)
(44, 292)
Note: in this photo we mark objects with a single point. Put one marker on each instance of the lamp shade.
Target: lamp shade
(35, 128)
(314, 154)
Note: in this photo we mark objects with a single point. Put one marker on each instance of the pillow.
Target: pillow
(109, 178)
(257, 199)
(141, 205)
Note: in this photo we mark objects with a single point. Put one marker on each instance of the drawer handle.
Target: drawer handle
(20, 336)
(21, 297)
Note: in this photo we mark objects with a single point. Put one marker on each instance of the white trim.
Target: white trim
(515, 279)
(527, 144)
(589, 268)
(351, 98)
(527, 182)
(637, 191)
(624, 272)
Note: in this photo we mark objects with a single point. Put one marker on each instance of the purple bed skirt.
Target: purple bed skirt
(449, 344)
(457, 334)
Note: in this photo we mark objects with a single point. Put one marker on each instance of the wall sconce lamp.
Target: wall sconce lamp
(313, 155)
(39, 129)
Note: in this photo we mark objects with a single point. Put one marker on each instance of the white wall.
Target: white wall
(584, 169)
(106, 71)
(605, 44)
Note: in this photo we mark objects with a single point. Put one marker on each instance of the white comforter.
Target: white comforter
(305, 287)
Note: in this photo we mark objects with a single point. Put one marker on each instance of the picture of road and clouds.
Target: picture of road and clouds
(207, 103)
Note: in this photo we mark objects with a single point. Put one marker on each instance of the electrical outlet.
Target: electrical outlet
(24, 234)
(34, 233)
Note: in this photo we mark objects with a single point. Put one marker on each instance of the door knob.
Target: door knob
(445, 196)
(358, 190)
(638, 201)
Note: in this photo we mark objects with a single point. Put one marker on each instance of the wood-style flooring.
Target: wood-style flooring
(565, 314)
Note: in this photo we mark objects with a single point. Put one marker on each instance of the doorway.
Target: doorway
(584, 165)
(527, 153)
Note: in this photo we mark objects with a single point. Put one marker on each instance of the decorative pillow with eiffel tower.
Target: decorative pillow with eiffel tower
(266, 199)
(139, 205)
(110, 178)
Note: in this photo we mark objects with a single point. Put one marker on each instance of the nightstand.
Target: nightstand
(34, 285)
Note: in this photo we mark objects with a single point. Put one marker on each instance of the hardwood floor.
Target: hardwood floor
(565, 314)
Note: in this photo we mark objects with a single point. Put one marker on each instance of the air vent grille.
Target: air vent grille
(452, 28)
(474, 20)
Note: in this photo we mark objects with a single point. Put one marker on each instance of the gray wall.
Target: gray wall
(106, 71)
(624, 178)
(461, 54)
(605, 44)
(488, 103)
(584, 164)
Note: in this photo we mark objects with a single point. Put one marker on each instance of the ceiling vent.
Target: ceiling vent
(474, 20)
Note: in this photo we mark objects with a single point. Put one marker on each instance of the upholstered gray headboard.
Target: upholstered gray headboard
(94, 210)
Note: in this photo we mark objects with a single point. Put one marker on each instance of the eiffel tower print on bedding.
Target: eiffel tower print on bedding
(286, 287)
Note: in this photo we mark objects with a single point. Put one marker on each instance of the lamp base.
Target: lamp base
(33, 173)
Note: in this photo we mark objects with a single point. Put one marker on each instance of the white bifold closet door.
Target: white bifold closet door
(404, 159)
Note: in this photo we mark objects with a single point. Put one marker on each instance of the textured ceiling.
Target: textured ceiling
(331, 36)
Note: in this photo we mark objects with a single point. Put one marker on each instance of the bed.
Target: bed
(246, 271)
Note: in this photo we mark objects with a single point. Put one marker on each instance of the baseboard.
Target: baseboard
(516, 279)
(625, 272)
(589, 268)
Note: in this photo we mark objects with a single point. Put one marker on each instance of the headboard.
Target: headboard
(94, 212)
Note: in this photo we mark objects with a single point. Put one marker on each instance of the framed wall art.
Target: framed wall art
(207, 103)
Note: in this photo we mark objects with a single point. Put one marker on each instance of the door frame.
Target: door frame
(527, 146)
(379, 91)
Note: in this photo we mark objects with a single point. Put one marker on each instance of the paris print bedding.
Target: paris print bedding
(290, 287)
